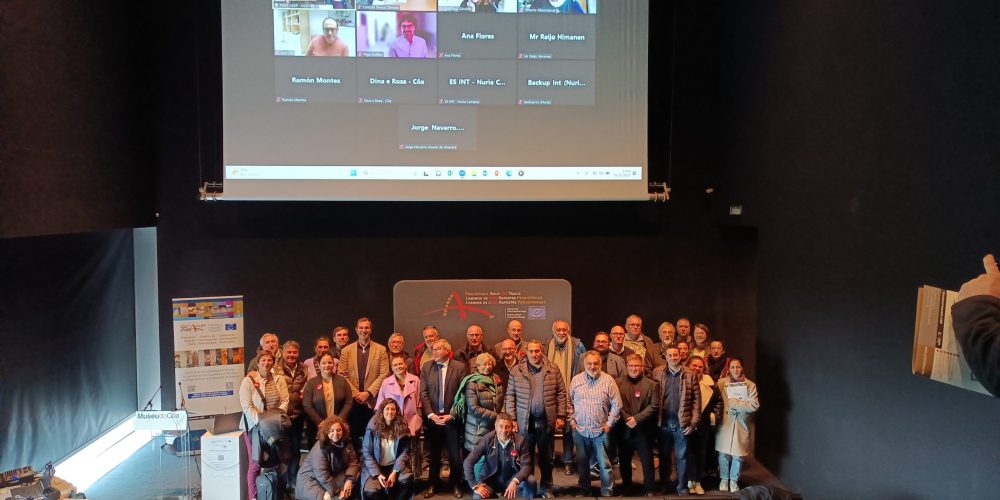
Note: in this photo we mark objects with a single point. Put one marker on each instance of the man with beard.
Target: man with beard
(593, 405)
(537, 397)
(565, 352)
(328, 44)
(613, 364)
(294, 373)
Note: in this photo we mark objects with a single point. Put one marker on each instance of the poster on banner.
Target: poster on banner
(208, 353)
(453, 305)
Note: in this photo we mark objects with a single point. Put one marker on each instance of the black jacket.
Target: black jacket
(430, 385)
(977, 329)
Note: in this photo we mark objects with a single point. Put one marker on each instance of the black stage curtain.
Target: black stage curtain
(78, 124)
(67, 319)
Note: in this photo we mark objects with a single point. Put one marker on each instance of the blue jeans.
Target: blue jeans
(729, 467)
(525, 490)
(568, 441)
(593, 447)
(671, 435)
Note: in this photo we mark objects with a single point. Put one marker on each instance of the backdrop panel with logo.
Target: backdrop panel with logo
(453, 305)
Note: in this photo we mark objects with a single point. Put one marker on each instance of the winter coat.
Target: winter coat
(518, 395)
(733, 436)
(482, 402)
(316, 476)
(689, 412)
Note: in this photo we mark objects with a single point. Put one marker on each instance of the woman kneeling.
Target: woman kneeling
(332, 467)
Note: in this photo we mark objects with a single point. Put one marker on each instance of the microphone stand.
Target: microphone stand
(149, 404)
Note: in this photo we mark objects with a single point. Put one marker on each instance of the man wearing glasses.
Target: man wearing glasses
(328, 44)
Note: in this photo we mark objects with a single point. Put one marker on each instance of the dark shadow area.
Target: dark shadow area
(78, 115)
(67, 313)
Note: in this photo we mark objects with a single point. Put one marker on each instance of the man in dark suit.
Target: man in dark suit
(439, 382)
(500, 464)
(637, 425)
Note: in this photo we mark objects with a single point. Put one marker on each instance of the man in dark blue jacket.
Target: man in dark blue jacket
(500, 464)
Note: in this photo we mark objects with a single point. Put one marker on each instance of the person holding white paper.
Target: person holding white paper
(732, 441)
(976, 318)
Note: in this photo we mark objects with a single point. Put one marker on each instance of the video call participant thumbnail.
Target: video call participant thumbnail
(307, 4)
(559, 6)
(488, 6)
(329, 43)
(422, 5)
(408, 43)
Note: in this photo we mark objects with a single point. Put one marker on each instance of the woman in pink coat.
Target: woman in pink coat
(404, 387)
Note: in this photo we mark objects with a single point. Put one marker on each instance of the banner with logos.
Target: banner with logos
(208, 353)
(453, 305)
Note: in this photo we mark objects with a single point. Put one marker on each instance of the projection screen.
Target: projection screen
(492, 100)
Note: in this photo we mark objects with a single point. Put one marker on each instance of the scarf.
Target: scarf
(458, 406)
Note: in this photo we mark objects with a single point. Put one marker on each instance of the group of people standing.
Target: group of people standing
(494, 412)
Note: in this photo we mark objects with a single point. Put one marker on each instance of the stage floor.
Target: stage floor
(150, 473)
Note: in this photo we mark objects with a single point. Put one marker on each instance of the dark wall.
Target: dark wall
(861, 137)
(67, 333)
(75, 109)
(305, 267)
